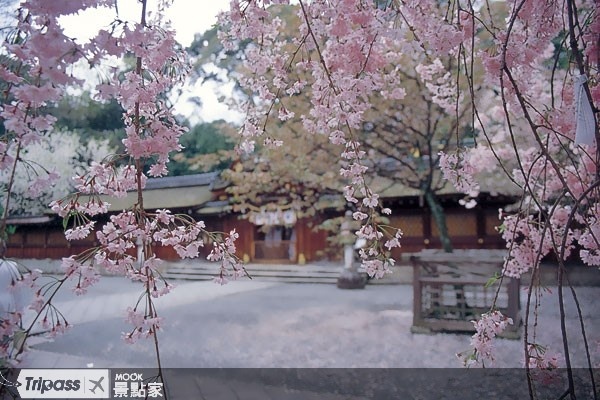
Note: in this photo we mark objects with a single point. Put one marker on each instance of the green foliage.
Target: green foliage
(206, 138)
(94, 120)
(562, 54)
(207, 51)
(91, 119)
(492, 280)
(202, 139)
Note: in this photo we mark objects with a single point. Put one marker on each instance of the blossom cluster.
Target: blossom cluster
(490, 325)
(145, 325)
(539, 357)
(152, 132)
(224, 252)
(439, 82)
(459, 171)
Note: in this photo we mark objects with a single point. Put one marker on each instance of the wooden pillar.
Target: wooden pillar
(427, 236)
(481, 228)
(303, 242)
(245, 244)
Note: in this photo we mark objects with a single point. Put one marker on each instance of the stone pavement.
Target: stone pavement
(107, 302)
(255, 325)
(103, 305)
(273, 324)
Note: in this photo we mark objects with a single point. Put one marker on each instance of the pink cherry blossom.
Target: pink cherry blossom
(487, 328)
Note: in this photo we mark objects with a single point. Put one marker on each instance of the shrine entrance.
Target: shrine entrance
(275, 243)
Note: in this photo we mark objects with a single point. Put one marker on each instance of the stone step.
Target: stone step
(288, 279)
(328, 274)
(254, 274)
(261, 272)
(269, 274)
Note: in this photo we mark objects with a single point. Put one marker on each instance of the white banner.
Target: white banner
(272, 218)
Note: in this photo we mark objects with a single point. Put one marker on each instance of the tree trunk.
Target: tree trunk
(437, 212)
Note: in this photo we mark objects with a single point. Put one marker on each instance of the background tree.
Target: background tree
(91, 119)
(403, 137)
(52, 159)
(206, 147)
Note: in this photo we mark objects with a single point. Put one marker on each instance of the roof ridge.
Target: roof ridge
(203, 179)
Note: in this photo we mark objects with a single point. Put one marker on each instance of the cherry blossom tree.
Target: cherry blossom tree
(291, 176)
(538, 122)
(40, 63)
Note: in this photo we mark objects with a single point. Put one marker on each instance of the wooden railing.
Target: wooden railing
(449, 290)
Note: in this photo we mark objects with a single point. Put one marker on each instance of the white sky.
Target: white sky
(188, 17)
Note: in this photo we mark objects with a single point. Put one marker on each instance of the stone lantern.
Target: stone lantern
(350, 277)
